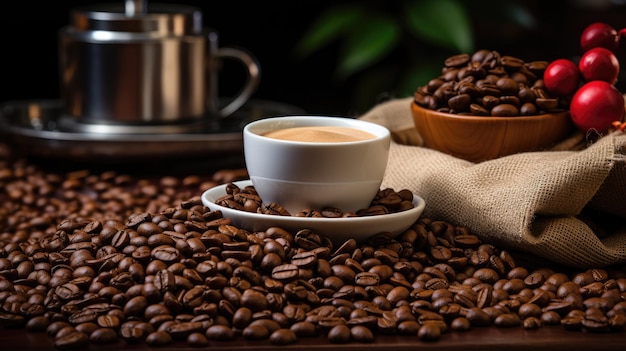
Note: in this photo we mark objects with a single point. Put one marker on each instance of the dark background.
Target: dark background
(270, 29)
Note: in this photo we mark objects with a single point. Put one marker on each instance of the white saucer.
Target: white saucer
(337, 229)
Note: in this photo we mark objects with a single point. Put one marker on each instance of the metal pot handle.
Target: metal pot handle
(252, 81)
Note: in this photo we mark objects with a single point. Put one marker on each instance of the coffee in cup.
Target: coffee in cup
(321, 134)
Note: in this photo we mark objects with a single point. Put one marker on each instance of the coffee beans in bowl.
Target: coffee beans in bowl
(485, 105)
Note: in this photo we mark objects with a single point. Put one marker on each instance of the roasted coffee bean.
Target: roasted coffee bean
(505, 110)
(429, 331)
(550, 318)
(331, 212)
(254, 300)
(165, 253)
(407, 327)
(73, 340)
(457, 60)
(304, 259)
(37, 324)
(477, 317)
(255, 332)
(103, 336)
(285, 272)
(182, 330)
(83, 316)
(479, 110)
(108, 321)
(531, 323)
(375, 210)
(510, 100)
(136, 306)
(595, 323)
(283, 336)
(460, 103)
(362, 334)
(268, 324)
(120, 239)
(507, 320)
(197, 340)
(132, 333)
(367, 279)
(304, 329)
(273, 209)
(440, 253)
(159, 338)
(219, 332)
(617, 322)
(528, 109)
(547, 104)
(339, 334)
(460, 324)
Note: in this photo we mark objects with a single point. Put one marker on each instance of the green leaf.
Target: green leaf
(379, 83)
(505, 13)
(419, 75)
(521, 15)
(369, 43)
(442, 22)
(330, 26)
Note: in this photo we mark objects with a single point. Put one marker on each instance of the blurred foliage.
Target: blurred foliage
(388, 49)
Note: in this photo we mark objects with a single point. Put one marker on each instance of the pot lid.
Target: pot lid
(138, 17)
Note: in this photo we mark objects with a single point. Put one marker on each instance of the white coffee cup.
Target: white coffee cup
(302, 175)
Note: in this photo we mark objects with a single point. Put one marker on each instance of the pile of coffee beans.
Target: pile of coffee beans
(247, 199)
(100, 258)
(489, 84)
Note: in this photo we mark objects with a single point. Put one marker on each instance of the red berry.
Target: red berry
(596, 105)
(561, 77)
(599, 64)
(599, 35)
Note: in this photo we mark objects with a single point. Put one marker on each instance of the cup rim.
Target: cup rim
(380, 132)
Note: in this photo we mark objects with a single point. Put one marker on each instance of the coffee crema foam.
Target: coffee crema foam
(320, 134)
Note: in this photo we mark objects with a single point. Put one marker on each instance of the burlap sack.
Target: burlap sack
(528, 202)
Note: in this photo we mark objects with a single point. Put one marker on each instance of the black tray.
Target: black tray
(36, 128)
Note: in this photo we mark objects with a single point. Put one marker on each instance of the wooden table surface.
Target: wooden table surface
(487, 338)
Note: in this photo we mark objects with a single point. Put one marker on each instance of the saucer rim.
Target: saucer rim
(208, 199)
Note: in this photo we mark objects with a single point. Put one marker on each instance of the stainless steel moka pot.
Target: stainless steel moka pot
(133, 64)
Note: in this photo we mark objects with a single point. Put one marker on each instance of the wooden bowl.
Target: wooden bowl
(481, 138)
